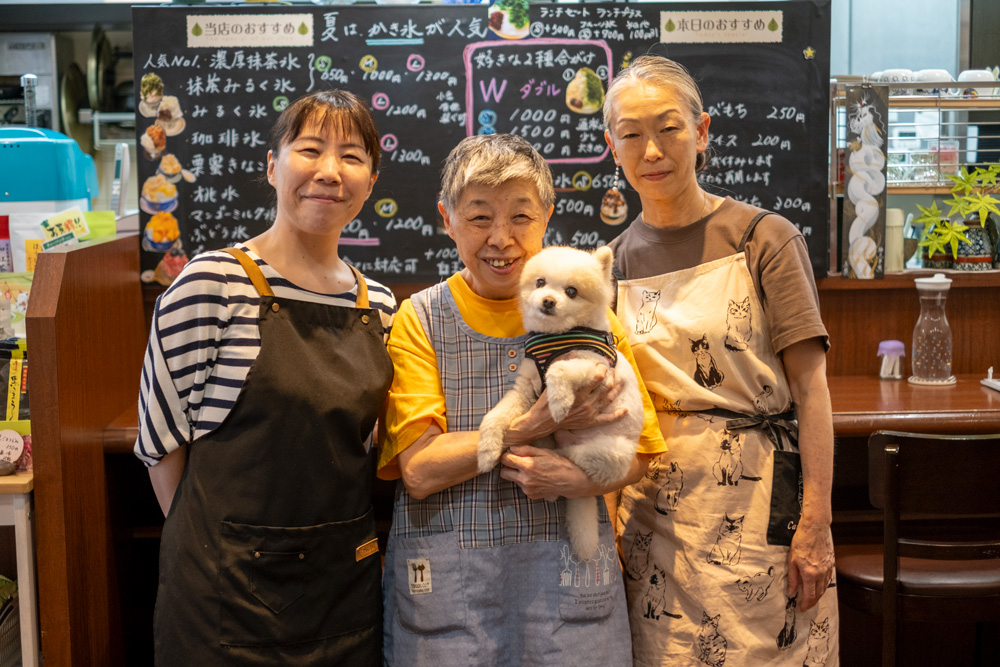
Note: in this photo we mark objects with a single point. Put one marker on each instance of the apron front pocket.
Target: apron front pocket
(429, 583)
(278, 579)
(786, 498)
(586, 605)
(589, 589)
(285, 585)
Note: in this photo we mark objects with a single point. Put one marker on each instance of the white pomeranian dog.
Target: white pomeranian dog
(565, 297)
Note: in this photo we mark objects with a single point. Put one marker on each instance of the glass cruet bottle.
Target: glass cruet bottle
(931, 350)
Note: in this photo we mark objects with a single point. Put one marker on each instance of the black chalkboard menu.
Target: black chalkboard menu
(214, 78)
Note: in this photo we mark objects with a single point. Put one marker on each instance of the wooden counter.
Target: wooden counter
(87, 337)
(859, 314)
(863, 404)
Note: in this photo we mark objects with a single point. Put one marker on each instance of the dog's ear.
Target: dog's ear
(606, 259)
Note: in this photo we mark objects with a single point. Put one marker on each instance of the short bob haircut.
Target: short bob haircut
(332, 110)
(658, 72)
(492, 160)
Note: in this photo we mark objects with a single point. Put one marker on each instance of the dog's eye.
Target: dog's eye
(571, 292)
(540, 282)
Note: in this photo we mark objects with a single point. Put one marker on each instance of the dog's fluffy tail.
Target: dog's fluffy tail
(581, 525)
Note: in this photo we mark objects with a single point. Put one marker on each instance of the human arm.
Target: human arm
(195, 353)
(166, 476)
(437, 460)
(546, 474)
(811, 558)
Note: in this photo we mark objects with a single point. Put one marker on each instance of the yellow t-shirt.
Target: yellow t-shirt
(416, 399)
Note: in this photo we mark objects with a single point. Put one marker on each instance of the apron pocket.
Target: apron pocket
(278, 579)
(786, 498)
(429, 586)
(286, 585)
(589, 589)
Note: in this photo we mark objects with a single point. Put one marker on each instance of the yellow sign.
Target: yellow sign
(14, 388)
(31, 249)
(70, 221)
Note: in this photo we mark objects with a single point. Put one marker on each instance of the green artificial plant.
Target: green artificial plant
(939, 231)
(971, 195)
(973, 192)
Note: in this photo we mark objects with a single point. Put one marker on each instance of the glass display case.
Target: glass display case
(935, 128)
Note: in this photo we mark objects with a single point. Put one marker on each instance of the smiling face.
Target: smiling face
(322, 179)
(497, 230)
(656, 140)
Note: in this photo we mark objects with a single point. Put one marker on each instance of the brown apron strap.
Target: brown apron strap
(260, 282)
(750, 228)
(362, 301)
(253, 271)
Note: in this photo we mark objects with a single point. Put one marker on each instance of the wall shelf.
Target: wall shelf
(930, 190)
(960, 280)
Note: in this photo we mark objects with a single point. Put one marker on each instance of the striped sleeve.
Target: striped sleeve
(203, 341)
(382, 299)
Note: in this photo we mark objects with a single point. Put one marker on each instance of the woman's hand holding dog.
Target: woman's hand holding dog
(544, 473)
(590, 408)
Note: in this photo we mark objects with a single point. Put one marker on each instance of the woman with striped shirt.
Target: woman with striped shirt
(265, 372)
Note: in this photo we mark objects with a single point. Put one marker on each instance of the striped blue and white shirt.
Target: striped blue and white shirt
(204, 339)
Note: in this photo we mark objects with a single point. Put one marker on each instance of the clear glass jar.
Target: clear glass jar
(931, 350)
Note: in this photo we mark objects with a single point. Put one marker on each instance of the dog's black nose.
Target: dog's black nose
(548, 305)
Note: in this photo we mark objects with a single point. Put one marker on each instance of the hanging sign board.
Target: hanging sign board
(215, 78)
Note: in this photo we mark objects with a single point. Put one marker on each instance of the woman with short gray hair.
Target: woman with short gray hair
(478, 570)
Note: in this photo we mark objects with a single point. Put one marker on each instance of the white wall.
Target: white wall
(884, 34)
(871, 35)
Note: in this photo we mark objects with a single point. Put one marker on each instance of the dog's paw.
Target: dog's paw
(560, 402)
(490, 449)
(487, 460)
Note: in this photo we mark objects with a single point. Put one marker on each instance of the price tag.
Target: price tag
(67, 237)
(11, 445)
(71, 221)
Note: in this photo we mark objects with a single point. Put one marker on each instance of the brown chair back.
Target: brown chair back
(938, 476)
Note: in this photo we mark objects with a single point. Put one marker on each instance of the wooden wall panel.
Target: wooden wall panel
(860, 313)
(86, 339)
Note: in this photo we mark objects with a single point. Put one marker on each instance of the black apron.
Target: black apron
(268, 555)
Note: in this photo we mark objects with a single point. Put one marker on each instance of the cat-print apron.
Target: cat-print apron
(706, 533)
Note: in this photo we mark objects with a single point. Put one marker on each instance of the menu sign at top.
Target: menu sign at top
(721, 27)
(214, 80)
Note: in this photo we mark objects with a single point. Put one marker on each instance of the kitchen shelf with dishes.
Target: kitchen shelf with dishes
(930, 134)
(936, 129)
